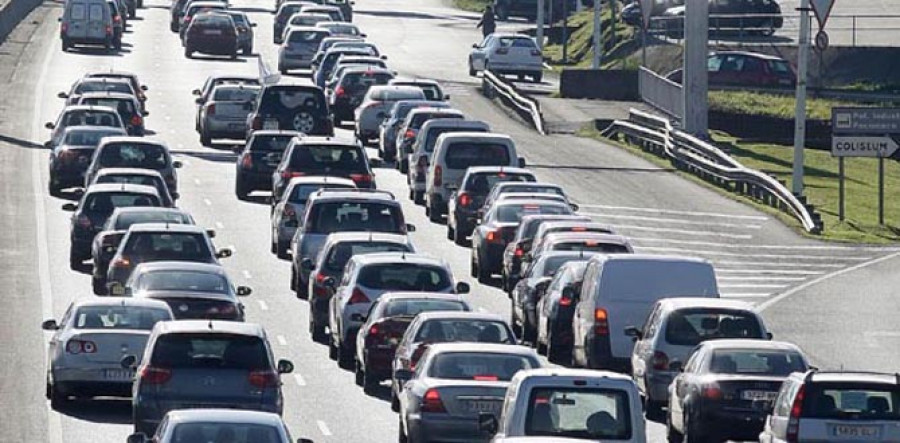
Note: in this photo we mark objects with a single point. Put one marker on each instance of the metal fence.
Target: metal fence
(493, 85)
(664, 95)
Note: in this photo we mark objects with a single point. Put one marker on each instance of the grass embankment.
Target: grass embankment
(581, 41)
(772, 105)
(472, 5)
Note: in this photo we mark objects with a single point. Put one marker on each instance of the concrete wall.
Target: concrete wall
(12, 12)
(604, 84)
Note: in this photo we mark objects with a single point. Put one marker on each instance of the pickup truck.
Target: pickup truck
(542, 405)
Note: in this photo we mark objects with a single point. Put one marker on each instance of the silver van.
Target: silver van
(86, 22)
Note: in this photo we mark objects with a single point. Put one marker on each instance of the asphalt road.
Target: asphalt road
(757, 258)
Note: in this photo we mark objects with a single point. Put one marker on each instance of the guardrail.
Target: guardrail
(690, 154)
(527, 107)
(661, 93)
(13, 12)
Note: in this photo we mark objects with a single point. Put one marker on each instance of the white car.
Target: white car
(507, 54)
(206, 425)
(288, 212)
(299, 46)
(366, 278)
(420, 154)
(342, 29)
(89, 342)
(376, 107)
(224, 114)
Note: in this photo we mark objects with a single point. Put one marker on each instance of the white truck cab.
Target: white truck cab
(575, 404)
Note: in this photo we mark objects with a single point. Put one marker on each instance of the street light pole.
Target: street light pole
(598, 35)
(695, 115)
(800, 111)
(539, 36)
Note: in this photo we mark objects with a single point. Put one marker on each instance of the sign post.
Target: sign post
(598, 34)
(646, 14)
(539, 36)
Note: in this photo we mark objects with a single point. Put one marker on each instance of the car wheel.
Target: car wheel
(344, 357)
(513, 323)
(332, 348)
(359, 374)
(188, 52)
(537, 77)
(395, 402)
(473, 268)
(315, 330)
(691, 435)
(653, 409)
(57, 398)
(472, 71)
(234, 54)
(273, 248)
(65, 45)
(459, 237)
(240, 189)
(281, 251)
(556, 354)
(303, 122)
(520, 77)
(98, 286)
(247, 50)
(672, 435)
(74, 260)
(434, 213)
(484, 276)
(293, 283)
(117, 43)
(451, 233)
(418, 197)
(300, 289)
(540, 347)
(404, 166)
(369, 382)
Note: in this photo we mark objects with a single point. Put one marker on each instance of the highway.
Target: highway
(830, 299)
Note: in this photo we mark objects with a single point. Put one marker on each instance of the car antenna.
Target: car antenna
(210, 325)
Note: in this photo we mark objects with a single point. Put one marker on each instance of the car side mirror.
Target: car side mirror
(144, 88)
(574, 206)
(521, 162)
(237, 149)
(128, 361)
(177, 164)
(224, 253)
(198, 100)
(48, 144)
(252, 25)
(285, 366)
(304, 440)
(410, 227)
(145, 113)
(49, 125)
(633, 332)
(462, 287)
(71, 207)
(307, 264)
(487, 423)
(446, 97)
(676, 366)
(243, 291)
(176, 196)
(359, 318)
(475, 45)
(211, 233)
(769, 336)
(363, 35)
(62, 95)
(49, 325)
(137, 437)
(383, 57)
(195, 92)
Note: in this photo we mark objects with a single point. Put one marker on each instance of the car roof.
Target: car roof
(325, 140)
(355, 195)
(418, 81)
(378, 258)
(701, 302)
(234, 77)
(432, 110)
(93, 77)
(166, 227)
(371, 68)
(133, 139)
(487, 136)
(498, 169)
(589, 236)
(209, 326)
(71, 108)
(530, 201)
(357, 236)
(747, 343)
(111, 72)
(649, 257)
(121, 187)
(546, 218)
(145, 209)
(271, 132)
(308, 29)
(560, 372)
(480, 347)
(232, 416)
(128, 171)
(461, 315)
(393, 296)
(206, 268)
(107, 94)
(854, 377)
(454, 123)
(321, 179)
(526, 184)
(118, 301)
(510, 34)
(399, 88)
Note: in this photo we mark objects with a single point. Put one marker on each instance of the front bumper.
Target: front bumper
(217, 128)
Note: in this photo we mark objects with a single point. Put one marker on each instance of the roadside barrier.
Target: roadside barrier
(13, 12)
(493, 85)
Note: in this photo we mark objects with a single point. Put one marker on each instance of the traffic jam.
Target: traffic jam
(598, 339)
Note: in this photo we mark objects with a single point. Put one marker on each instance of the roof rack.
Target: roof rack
(356, 190)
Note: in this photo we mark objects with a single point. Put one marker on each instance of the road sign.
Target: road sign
(821, 41)
(865, 121)
(822, 9)
(863, 146)
(646, 12)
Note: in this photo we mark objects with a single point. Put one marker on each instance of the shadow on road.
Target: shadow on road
(104, 410)
(20, 143)
(219, 157)
(381, 392)
(602, 168)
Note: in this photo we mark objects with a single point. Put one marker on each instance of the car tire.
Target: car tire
(418, 197)
(473, 268)
(459, 237)
(691, 434)
(281, 251)
(395, 402)
(359, 375)
(434, 214)
(247, 50)
(293, 284)
(672, 436)
(541, 348)
(65, 45)
(188, 52)
(117, 44)
(403, 165)
(344, 357)
(98, 286)
(301, 290)
(537, 77)
(233, 55)
(240, 189)
(74, 260)
(484, 277)
(57, 399)
(516, 327)
(369, 383)
(653, 409)
(556, 354)
(472, 71)
(451, 233)
(332, 348)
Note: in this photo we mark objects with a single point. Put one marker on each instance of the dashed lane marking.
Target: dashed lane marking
(674, 212)
(207, 202)
(300, 382)
(247, 274)
(694, 233)
(263, 305)
(281, 340)
(219, 225)
(673, 220)
(323, 428)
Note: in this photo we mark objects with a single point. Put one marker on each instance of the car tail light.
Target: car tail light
(340, 91)
(711, 392)
(519, 252)
(289, 212)
(155, 376)
(117, 19)
(247, 162)
(121, 262)
(485, 377)
(565, 301)
(535, 52)
(494, 237)
(84, 222)
(264, 379)
(502, 51)
(288, 174)
(136, 120)
(464, 199)
(76, 346)
(431, 401)
(211, 109)
(601, 322)
(222, 310)
(318, 288)
(438, 176)
(660, 361)
(256, 123)
(422, 164)
(64, 27)
(361, 179)
(358, 296)
(793, 427)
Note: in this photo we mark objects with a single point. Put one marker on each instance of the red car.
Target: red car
(739, 68)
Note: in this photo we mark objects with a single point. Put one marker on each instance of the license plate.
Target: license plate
(118, 374)
(858, 432)
(212, 32)
(270, 124)
(484, 406)
(759, 395)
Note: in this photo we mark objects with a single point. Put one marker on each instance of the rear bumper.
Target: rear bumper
(299, 61)
(515, 68)
(599, 356)
(256, 180)
(215, 48)
(216, 128)
(67, 177)
(444, 428)
(657, 386)
(102, 41)
(379, 362)
(743, 424)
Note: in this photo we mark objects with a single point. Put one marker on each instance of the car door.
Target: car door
(643, 347)
(96, 25)
(584, 310)
(479, 53)
(76, 20)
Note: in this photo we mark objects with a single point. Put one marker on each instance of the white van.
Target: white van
(86, 22)
(420, 155)
(619, 291)
(456, 152)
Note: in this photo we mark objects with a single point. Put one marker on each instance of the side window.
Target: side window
(693, 363)
(348, 271)
(714, 63)
(66, 317)
(784, 403)
(651, 326)
(752, 65)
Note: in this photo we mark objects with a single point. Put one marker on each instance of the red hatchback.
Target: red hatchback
(211, 33)
(739, 68)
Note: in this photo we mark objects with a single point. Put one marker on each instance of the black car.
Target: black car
(351, 88)
(521, 244)
(292, 107)
(70, 159)
(727, 388)
(498, 228)
(732, 17)
(323, 156)
(557, 309)
(258, 159)
(211, 33)
(462, 214)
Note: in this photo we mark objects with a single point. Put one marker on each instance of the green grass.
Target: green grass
(752, 103)
(472, 5)
(821, 183)
(581, 41)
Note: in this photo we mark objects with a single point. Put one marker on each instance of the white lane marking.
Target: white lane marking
(263, 305)
(672, 220)
(247, 274)
(743, 263)
(752, 246)
(768, 303)
(768, 271)
(683, 232)
(669, 211)
(219, 225)
(207, 202)
(299, 379)
(751, 285)
(745, 295)
(54, 422)
(196, 181)
(766, 278)
(281, 340)
(323, 428)
(752, 255)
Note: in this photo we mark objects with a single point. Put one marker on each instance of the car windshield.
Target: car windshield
(119, 317)
(235, 93)
(462, 155)
(84, 117)
(395, 95)
(588, 245)
(171, 280)
(328, 158)
(125, 220)
(158, 246)
(411, 307)
(286, 99)
(88, 138)
(405, 277)
(210, 350)
(105, 202)
(513, 213)
(481, 184)
(516, 42)
(307, 37)
(582, 413)
(852, 401)
(756, 362)
(465, 330)
(351, 216)
(199, 432)
(479, 366)
(690, 327)
(103, 86)
(342, 252)
(134, 155)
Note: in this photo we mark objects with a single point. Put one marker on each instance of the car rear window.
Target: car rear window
(287, 99)
(134, 179)
(157, 246)
(309, 19)
(134, 155)
(462, 155)
(91, 118)
(513, 213)
(419, 119)
(235, 93)
(300, 193)
(365, 79)
(852, 401)
(124, 221)
(226, 432)
(483, 183)
(270, 143)
(756, 362)
(328, 217)
(589, 246)
(341, 253)
(119, 317)
(479, 366)
(215, 20)
(517, 42)
(432, 92)
(103, 86)
(466, 330)
(690, 327)
(579, 413)
(307, 37)
(106, 202)
(219, 351)
(405, 277)
(413, 307)
(87, 138)
(171, 280)
(327, 158)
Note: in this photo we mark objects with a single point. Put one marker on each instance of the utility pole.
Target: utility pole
(598, 35)
(539, 36)
(695, 118)
(800, 111)
(565, 31)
